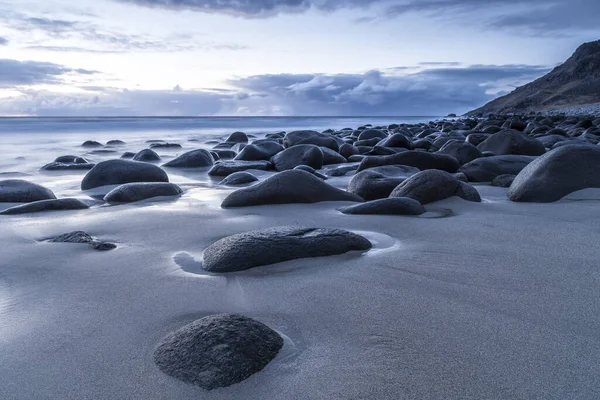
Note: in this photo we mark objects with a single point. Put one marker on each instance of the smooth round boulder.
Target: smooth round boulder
(115, 142)
(237, 137)
(165, 146)
(485, 169)
(146, 155)
(46, 205)
(239, 178)
(274, 245)
(57, 166)
(464, 152)
(311, 170)
(217, 351)
(302, 154)
(21, 191)
(559, 172)
(503, 181)
(288, 187)
(137, 191)
(227, 168)
(117, 172)
(389, 206)
(259, 151)
(348, 150)
(71, 160)
(192, 159)
(91, 144)
(434, 185)
(313, 138)
(413, 158)
(372, 134)
(396, 140)
(332, 157)
(512, 142)
(379, 182)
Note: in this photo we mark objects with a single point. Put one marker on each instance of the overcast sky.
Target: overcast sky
(279, 57)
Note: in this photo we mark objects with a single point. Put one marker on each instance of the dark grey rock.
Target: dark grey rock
(192, 159)
(128, 155)
(83, 238)
(91, 144)
(311, 170)
(20, 191)
(464, 152)
(477, 138)
(146, 155)
(347, 150)
(434, 185)
(379, 182)
(389, 206)
(288, 187)
(332, 157)
(259, 151)
(239, 178)
(413, 158)
(503, 181)
(117, 172)
(556, 174)
(46, 205)
(274, 245)
(312, 138)
(396, 140)
(302, 154)
(115, 143)
(165, 146)
(342, 170)
(217, 351)
(223, 154)
(487, 168)
(71, 160)
(372, 134)
(227, 168)
(57, 166)
(238, 137)
(137, 191)
(512, 142)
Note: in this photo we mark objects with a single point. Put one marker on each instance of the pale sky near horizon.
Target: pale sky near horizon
(278, 57)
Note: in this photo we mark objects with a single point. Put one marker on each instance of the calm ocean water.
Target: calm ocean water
(197, 125)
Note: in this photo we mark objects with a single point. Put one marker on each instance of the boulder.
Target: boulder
(347, 150)
(313, 138)
(237, 137)
(239, 178)
(217, 351)
(57, 166)
(342, 170)
(503, 181)
(487, 168)
(413, 158)
(192, 159)
(20, 191)
(379, 182)
(91, 144)
(83, 238)
(288, 187)
(71, 160)
(165, 146)
(389, 206)
(131, 192)
(274, 245)
(46, 205)
(512, 142)
(115, 143)
(146, 155)
(227, 168)
(311, 170)
(259, 151)
(372, 134)
(396, 140)
(332, 157)
(556, 174)
(117, 172)
(464, 152)
(434, 185)
(302, 154)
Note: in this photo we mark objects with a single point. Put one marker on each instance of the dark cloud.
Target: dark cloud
(253, 8)
(15, 73)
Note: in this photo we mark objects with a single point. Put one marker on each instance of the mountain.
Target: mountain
(574, 83)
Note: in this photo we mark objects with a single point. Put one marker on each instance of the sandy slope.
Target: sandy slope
(498, 301)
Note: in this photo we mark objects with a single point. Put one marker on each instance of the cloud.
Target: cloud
(253, 8)
(15, 73)
(433, 91)
(3, 41)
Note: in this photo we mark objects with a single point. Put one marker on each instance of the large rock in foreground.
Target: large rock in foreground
(20, 191)
(434, 185)
(274, 245)
(556, 174)
(218, 350)
(47, 205)
(293, 186)
(117, 172)
(131, 192)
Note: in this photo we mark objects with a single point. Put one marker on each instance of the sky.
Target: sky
(278, 57)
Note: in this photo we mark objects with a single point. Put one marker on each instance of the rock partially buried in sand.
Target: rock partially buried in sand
(379, 182)
(84, 238)
(391, 206)
(227, 168)
(192, 159)
(131, 192)
(434, 185)
(47, 205)
(20, 191)
(487, 168)
(117, 172)
(274, 245)
(288, 187)
(218, 351)
(302, 154)
(556, 174)
(239, 178)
